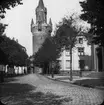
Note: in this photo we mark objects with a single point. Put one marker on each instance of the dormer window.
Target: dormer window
(80, 40)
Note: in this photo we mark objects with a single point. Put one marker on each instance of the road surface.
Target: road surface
(34, 89)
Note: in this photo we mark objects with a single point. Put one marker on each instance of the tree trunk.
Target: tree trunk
(52, 69)
(52, 73)
(71, 77)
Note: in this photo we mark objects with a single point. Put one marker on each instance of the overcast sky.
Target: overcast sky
(19, 18)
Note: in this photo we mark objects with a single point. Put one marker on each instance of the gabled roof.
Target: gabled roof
(32, 22)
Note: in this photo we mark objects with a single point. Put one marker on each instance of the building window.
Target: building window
(67, 64)
(39, 29)
(80, 50)
(80, 40)
(67, 53)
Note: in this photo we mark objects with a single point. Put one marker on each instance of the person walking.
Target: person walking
(1, 73)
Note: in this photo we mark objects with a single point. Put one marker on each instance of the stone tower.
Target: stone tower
(40, 30)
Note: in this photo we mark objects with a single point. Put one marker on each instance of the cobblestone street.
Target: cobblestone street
(35, 89)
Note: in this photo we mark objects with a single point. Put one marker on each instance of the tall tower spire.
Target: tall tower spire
(41, 13)
(41, 4)
(32, 23)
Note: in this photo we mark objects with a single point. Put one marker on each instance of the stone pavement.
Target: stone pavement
(80, 95)
(77, 95)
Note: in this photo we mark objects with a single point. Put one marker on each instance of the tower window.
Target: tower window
(80, 40)
(80, 50)
(39, 29)
(39, 26)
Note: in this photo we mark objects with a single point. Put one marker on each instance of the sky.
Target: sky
(19, 18)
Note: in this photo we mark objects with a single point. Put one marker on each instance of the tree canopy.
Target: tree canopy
(47, 52)
(93, 13)
(15, 54)
(11, 52)
(66, 33)
(6, 4)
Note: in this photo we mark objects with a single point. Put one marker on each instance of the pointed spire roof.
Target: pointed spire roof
(50, 22)
(32, 22)
(41, 4)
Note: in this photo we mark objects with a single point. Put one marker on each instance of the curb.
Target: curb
(56, 80)
(61, 81)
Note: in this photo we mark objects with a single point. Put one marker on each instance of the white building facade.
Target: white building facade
(81, 55)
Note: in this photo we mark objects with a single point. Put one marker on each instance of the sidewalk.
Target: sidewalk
(87, 81)
(67, 78)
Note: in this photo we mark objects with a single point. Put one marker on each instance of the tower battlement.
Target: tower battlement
(45, 28)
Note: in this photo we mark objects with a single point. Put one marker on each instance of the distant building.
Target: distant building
(40, 30)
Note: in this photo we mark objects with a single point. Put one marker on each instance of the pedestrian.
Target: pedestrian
(25, 70)
(1, 73)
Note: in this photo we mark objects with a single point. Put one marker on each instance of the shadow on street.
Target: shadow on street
(24, 94)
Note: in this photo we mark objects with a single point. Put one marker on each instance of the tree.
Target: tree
(46, 54)
(2, 54)
(5, 4)
(93, 11)
(65, 37)
(15, 53)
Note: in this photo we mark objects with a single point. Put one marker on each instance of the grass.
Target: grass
(90, 82)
